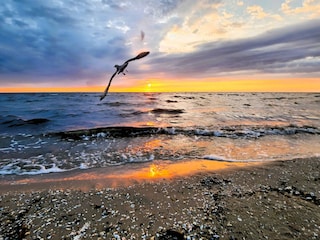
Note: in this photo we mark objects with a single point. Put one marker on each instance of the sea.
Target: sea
(43, 133)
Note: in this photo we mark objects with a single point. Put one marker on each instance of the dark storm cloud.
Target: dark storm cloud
(71, 39)
(39, 39)
(284, 50)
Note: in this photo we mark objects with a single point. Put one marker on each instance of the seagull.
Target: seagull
(142, 35)
(121, 68)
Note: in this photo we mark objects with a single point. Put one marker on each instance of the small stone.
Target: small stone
(216, 237)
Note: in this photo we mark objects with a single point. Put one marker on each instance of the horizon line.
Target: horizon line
(112, 92)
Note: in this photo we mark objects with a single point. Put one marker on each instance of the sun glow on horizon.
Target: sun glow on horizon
(223, 85)
(180, 85)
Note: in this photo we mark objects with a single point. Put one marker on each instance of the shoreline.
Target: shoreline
(275, 200)
(114, 176)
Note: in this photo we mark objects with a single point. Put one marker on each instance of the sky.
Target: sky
(204, 45)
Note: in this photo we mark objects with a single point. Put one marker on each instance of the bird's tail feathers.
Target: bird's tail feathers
(103, 96)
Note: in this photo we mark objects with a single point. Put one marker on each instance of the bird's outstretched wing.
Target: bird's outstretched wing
(107, 89)
(140, 55)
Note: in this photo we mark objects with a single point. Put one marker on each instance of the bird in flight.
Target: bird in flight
(120, 69)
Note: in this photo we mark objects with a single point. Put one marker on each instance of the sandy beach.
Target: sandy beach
(275, 200)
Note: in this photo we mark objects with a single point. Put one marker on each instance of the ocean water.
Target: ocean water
(44, 132)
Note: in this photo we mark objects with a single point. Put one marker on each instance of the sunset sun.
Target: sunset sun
(148, 87)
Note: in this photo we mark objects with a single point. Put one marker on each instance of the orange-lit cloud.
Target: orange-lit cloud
(310, 8)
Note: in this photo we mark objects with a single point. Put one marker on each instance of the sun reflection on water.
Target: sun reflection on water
(121, 176)
(156, 171)
(153, 170)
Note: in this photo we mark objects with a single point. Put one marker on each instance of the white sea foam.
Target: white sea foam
(44, 170)
(101, 135)
(218, 158)
(222, 159)
(83, 166)
(34, 170)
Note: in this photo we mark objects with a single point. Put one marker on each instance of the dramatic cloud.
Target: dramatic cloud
(294, 49)
(68, 38)
(74, 43)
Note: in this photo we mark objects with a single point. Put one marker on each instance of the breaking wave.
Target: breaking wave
(227, 132)
(14, 121)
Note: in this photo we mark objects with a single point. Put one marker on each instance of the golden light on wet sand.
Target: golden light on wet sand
(156, 171)
(122, 176)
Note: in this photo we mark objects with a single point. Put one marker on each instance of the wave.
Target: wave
(155, 111)
(115, 104)
(171, 101)
(134, 113)
(227, 132)
(104, 147)
(167, 111)
(14, 121)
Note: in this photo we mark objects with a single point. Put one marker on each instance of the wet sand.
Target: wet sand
(275, 200)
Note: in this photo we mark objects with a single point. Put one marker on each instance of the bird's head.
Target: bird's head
(116, 66)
